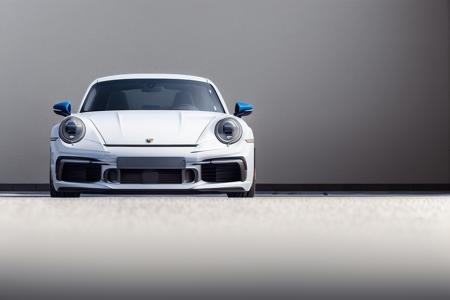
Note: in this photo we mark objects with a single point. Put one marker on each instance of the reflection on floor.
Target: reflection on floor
(307, 239)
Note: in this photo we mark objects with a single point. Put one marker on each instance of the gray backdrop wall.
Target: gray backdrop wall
(347, 91)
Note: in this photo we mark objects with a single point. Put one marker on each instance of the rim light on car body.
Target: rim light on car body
(228, 131)
(72, 130)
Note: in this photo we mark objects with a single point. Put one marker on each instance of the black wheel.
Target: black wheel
(55, 194)
(249, 194)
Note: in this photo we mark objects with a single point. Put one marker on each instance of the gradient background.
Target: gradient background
(348, 91)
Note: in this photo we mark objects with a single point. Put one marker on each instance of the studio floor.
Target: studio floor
(293, 239)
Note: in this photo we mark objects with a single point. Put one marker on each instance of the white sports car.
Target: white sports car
(152, 132)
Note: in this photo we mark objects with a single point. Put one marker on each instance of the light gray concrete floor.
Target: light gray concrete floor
(288, 238)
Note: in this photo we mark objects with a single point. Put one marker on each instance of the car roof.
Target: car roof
(152, 76)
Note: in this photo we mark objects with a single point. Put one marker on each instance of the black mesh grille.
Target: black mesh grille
(133, 176)
(79, 172)
(227, 172)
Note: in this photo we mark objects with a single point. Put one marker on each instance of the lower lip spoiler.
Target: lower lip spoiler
(124, 191)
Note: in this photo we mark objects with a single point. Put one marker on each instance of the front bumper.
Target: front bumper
(195, 159)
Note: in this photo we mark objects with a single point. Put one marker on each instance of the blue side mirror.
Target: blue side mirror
(242, 109)
(63, 108)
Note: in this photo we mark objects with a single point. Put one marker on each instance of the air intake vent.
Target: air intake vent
(80, 172)
(133, 176)
(226, 172)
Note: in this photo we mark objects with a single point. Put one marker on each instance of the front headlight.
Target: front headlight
(228, 131)
(72, 130)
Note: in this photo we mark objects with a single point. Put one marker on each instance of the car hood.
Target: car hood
(151, 127)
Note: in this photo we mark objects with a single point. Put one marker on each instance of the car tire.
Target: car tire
(55, 194)
(249, 194)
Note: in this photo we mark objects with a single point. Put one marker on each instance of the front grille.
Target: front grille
(80, 172)
(136, 176)
(226, 172)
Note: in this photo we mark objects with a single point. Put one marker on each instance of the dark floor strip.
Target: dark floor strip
(266, 187)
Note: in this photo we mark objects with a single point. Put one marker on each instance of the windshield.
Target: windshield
(152, 94)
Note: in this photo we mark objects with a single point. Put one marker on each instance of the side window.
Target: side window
(89, 101)
(214, 103)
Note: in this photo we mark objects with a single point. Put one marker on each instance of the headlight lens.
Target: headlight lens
(228, 131)
(72, 130)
